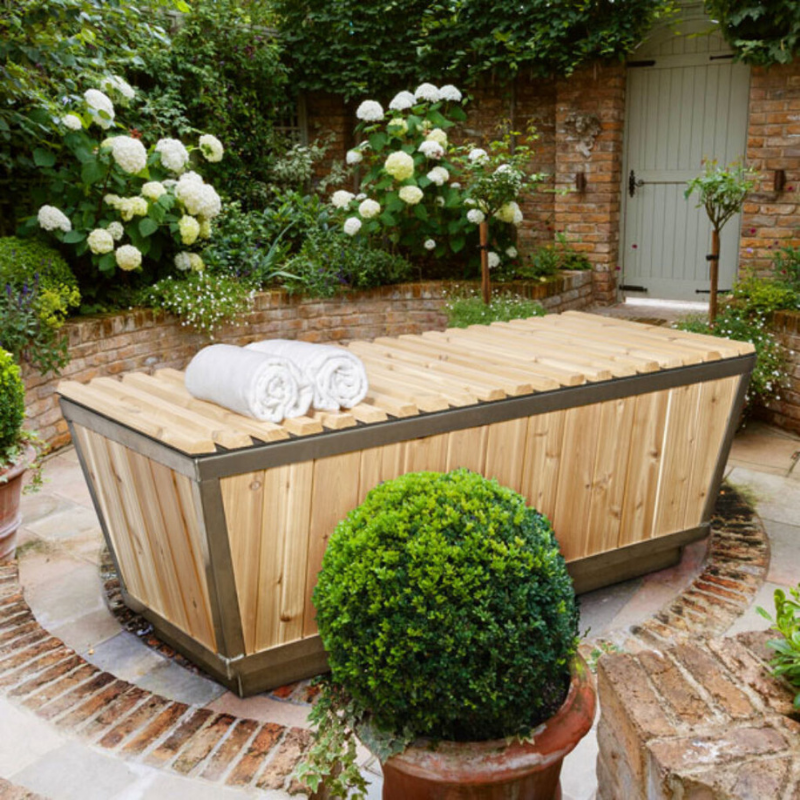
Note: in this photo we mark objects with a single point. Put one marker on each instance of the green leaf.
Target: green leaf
(377, 141)
(43, 158)
(72, 237)
(107, 263)
(157, 212)
(388, 220)
(93, 171)
(457, 244)
(147, 226)
(420, 212)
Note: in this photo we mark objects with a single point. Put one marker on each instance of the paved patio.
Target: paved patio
(60, 574)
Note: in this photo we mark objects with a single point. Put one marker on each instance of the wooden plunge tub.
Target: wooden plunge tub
(217, 523)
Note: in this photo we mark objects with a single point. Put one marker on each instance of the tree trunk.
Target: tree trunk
(486, 286)
(714, 276)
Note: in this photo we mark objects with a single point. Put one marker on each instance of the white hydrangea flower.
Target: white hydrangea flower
(342, 198)
(400, 165)
(369, 209)
(169, 183)
(440, 202)
(130, 207)
(477, 155)
(196, 263)
(99, 103)
(511, 252)
(211, 147)
(53, 219)
(183, 262)
(72, 122)
(190, 177)
(128, 257)
(189, 229)
(354, 157)
(370, 111)
(517, 215)
(174, 156)
(455, 185)
(113, 83)
(352, 226)
(508, 212)
(139, 206)
(112, 200)
(152, 190)
(100, 241)
(493, 260)
(503, 168)
(397, 127)
(437, 135)
(450, 93)
(116, 230)
(361, 196)
(430, 244)
(402, 101)
(129, 153)
(205, 229)
(410, 194)
(427, 91)
(200, 199)
(431, 149)
(476, 216)
(438, 175)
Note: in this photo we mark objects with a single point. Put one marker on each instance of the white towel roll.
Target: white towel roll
(255, 384)
(337, 376)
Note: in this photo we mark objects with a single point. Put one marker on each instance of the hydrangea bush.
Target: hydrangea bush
(419, 190)
(124, 205)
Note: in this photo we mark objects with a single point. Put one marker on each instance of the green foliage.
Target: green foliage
(446, 609)
(760, 33)
(48, 50)
(202, 300)
(222, 73)
(786, 267)
(352, 48)
(763, 296)
(786, 663)
(546, 261)
(12, 403)
(721, 190)
(330, 261)
(471, 310)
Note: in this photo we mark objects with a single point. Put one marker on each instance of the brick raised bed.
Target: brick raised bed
(786, 412)
(114, 344)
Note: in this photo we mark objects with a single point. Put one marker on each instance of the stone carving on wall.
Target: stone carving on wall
(584, 128)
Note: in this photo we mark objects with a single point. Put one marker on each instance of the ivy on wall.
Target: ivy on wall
(760, 33)
(354, 48)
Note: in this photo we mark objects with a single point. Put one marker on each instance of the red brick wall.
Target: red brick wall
(786, 412)
(771, 219)
(143, 340)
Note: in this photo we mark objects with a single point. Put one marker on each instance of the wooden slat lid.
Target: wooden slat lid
(417, 374)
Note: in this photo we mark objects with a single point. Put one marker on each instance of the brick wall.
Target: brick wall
(786, 412)
(113, 344)
(703, 719)
(771, 219)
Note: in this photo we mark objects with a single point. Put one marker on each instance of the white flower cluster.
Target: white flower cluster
(354, 157)
(400, 165)
(438, 175)
(369, 209)
(493, 260)
(189, 261)
(128, 153)
(100, 241)
(450, 93)
(113, 83)
(174, 156)
(342, 198)
(370, 111)
(53, 219)
(128, 257)
(352, 226)
(116, 230)
(189, 229)
(512, 252)
(476, 216)
(428, 92)
(72, 122)
(431, 149)
(411, 195)
(152, 190)
(402, 101)
(199, 198)
(128, 207)
(510, 212)
(211, 147)
(397, 127)
(430, 244)
(100, 107)
(437, 135)
(477, 155)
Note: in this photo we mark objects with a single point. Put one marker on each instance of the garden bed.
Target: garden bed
(114, 344)
(785, 413)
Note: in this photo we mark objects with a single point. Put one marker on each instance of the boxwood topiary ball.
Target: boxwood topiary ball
(446, 609)
(12, 401)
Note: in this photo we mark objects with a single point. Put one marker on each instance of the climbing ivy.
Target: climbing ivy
(354, 48)
(760, 33)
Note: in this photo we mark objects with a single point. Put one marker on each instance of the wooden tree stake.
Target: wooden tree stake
(486, 286)
(714, 277)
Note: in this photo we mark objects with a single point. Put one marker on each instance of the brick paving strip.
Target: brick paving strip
(40, 672)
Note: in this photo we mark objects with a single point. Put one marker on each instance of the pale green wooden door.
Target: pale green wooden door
(686, 101)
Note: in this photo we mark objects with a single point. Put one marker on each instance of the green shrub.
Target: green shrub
(465, 311)
(786, 663)
(446, 609)
(787, 267)
(330, 261)
(763, 296)
(12, 404)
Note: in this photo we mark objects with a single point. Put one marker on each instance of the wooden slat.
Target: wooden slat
(467, 448)
(428, 454)
(302, 426)
(335, 494)
(505, 452)
(334, 421)
(382, 387)
(366, 413)
(379, 464)
(286, 517)
(382, 371)
(397, 407)
(543, 448)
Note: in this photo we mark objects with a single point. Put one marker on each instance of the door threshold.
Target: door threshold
(677, 305)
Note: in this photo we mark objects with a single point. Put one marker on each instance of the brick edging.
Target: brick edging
(40, 673)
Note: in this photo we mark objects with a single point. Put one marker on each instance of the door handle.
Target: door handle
(633, 183)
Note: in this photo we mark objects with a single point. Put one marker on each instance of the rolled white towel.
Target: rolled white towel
(338, 377)
(255, 384)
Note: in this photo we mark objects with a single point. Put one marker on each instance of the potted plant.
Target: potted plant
(17, 451)
(450, 624)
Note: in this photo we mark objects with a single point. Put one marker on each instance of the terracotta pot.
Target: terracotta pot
(496, 770)
(10, 491)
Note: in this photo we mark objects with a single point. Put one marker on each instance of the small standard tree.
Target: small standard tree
(722, 191)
